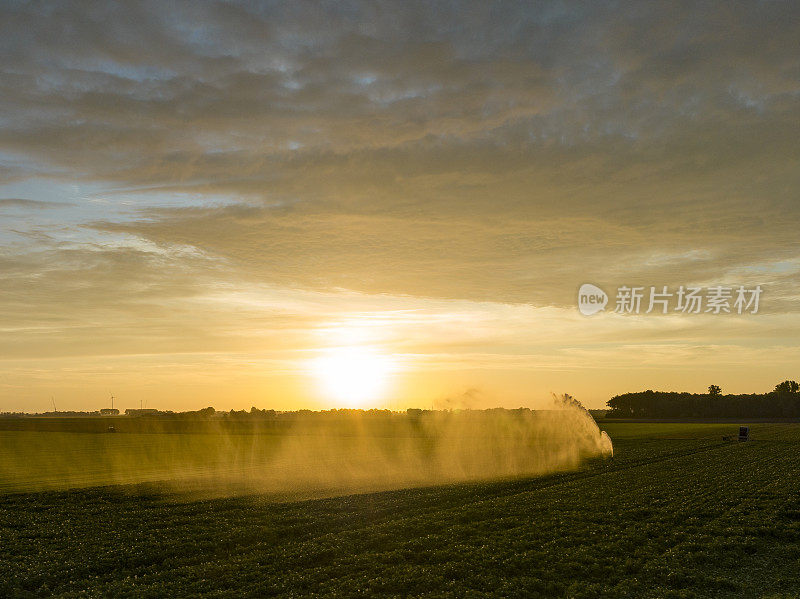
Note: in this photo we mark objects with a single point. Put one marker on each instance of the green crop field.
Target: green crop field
(678, 512)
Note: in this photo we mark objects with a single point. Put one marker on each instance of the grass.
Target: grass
(677, 513)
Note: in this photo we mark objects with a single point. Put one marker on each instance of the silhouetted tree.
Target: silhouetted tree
(787, 388)
(783, 402)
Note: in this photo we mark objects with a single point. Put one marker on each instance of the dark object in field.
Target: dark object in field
(111, 429)
(744, 435)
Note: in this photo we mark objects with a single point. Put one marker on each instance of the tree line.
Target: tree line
(781, 402)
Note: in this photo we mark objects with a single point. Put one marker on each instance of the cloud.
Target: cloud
(459, 152)
(23, 203)
(625, 125)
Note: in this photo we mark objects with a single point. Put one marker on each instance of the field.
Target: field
(678, 512)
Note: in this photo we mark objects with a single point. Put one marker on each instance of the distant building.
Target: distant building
(109, 412)
(142, 412)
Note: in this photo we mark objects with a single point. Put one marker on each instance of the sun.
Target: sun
(352, 376)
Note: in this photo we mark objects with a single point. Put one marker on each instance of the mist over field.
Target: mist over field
(313, 455)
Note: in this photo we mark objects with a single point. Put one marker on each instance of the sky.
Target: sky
(368, 204)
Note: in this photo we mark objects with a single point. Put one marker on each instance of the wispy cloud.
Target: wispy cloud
(29, 204)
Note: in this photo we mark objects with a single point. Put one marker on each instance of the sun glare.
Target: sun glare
(352, 376)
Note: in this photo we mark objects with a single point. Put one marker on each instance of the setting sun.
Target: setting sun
(352, 376)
